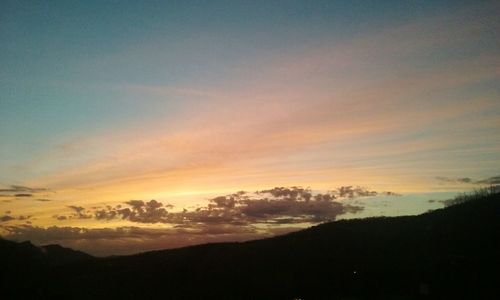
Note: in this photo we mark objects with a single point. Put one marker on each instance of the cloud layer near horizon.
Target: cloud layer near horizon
(238, 216)
(279, 205)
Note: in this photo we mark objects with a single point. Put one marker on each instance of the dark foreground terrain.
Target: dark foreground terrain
(451, 253)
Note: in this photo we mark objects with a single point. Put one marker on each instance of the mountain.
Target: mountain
(450, 253)
(13, 254)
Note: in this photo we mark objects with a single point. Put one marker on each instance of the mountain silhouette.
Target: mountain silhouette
(13, 253)
(449, 253)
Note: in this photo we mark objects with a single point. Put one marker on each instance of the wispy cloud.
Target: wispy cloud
(455, 180)
(43, 200)
(20, 188)
(466, 180)
(23, 195)
(491, 180)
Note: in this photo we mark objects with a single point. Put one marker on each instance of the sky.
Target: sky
(128, 126)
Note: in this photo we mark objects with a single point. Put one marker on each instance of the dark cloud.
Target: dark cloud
(59, 218)
(492, 180)
(234, 217)
(354, 192)
(20, 189)
(455, 180)
(79, 213)
(6, 218)
(43, 200)
(293, 193)
(292, 211)
(389, 193)
(139, 211)
(23, 195)
(279, 205)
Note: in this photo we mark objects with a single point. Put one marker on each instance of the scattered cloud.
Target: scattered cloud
(19, 191)
(455, 180)
(59, 218)
(492, 180)
(279, 205)
(23, 195)
(466, 180)
(6, 218)
(20, 188)
(79, 212)
(138, 211)
(233, 217)
(43, 200)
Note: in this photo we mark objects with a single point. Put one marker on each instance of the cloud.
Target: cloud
(23, 195)
(466, 180)
(6, 218)
(295, 193)
(279, 211)
(20, 188)
(43, 200)
(138, 211)
(353, 192)
(492, 180)
(238, 216)
(279, 205)
(455, 180)
(79, 212)
(19, 191)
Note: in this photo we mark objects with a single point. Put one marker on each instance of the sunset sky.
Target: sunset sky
(314, 110)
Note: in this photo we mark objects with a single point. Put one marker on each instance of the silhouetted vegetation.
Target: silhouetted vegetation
(450, 253)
